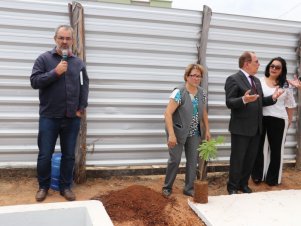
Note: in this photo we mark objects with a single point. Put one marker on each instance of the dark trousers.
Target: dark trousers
(49, 130)
(243, 153)
(271, 143)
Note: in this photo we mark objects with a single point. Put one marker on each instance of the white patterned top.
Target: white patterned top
(286, 100)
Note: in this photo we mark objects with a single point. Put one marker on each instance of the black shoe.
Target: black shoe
(232, 192)
(256, 181)
(41, 194)
(166, 192)
(245, 189)
(271, 183)
(188, 193)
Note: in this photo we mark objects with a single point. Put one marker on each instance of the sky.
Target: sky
(274, 9)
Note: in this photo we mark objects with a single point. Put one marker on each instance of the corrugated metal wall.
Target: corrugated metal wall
(26, 30)
(135, 56)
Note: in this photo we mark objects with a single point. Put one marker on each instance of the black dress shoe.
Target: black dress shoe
(271, 183)
(256, 181)
(232, 192)
(188, 193)
(245, 189)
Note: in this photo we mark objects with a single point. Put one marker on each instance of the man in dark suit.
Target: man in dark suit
(245, 99)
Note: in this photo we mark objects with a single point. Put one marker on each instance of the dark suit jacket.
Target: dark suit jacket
(246, 119)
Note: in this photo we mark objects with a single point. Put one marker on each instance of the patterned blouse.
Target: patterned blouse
(194, 126)
(286, 100)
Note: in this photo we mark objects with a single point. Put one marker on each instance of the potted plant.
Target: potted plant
(207, 151)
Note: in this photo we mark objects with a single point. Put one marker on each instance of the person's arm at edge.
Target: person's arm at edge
(84, 92)
(290, 113)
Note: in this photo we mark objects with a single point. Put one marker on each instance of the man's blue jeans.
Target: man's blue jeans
(49, 130)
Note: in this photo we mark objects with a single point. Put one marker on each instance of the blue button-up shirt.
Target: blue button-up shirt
(60, 96)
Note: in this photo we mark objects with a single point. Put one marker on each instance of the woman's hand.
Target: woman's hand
(278, 92)
(207, 135)
(172, 141)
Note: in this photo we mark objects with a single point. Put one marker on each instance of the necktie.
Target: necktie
(253, 84)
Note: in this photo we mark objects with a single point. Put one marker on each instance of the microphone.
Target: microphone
(64, 54)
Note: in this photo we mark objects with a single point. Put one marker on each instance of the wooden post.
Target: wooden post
(298, 152)
(203, 41)
(76, 15)
(202, 50)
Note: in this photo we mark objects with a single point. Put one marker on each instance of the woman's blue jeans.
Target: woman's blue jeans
(49, 130)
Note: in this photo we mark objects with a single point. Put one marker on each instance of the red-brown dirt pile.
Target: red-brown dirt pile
(136, 202)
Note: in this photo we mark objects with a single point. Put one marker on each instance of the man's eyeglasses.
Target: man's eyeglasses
(196, 76)
(276, 67)
(64, 38)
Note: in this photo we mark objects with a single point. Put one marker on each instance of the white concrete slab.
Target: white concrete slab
(273, 208)
(77, 213)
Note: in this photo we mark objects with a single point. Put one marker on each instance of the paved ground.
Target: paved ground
(274, 208)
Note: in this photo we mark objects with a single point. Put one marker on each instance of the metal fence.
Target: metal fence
(135, 56)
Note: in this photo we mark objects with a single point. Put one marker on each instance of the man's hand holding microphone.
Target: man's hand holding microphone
(62, 67)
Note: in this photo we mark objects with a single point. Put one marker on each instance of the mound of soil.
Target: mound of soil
(138, 203)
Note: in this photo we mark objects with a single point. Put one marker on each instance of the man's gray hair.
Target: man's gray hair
(66, 27)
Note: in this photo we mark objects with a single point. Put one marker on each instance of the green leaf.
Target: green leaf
(208, 149)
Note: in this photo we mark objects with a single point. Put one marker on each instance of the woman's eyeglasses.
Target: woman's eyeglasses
(276, 67)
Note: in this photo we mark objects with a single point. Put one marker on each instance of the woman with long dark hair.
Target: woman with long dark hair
(276, 120)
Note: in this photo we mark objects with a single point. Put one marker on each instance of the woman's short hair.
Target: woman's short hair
(190, 67)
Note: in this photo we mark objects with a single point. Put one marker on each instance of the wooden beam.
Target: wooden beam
(202, 43)
(76, 15)
(202, 51)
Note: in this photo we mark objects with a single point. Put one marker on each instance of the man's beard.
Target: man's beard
(69, 50)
